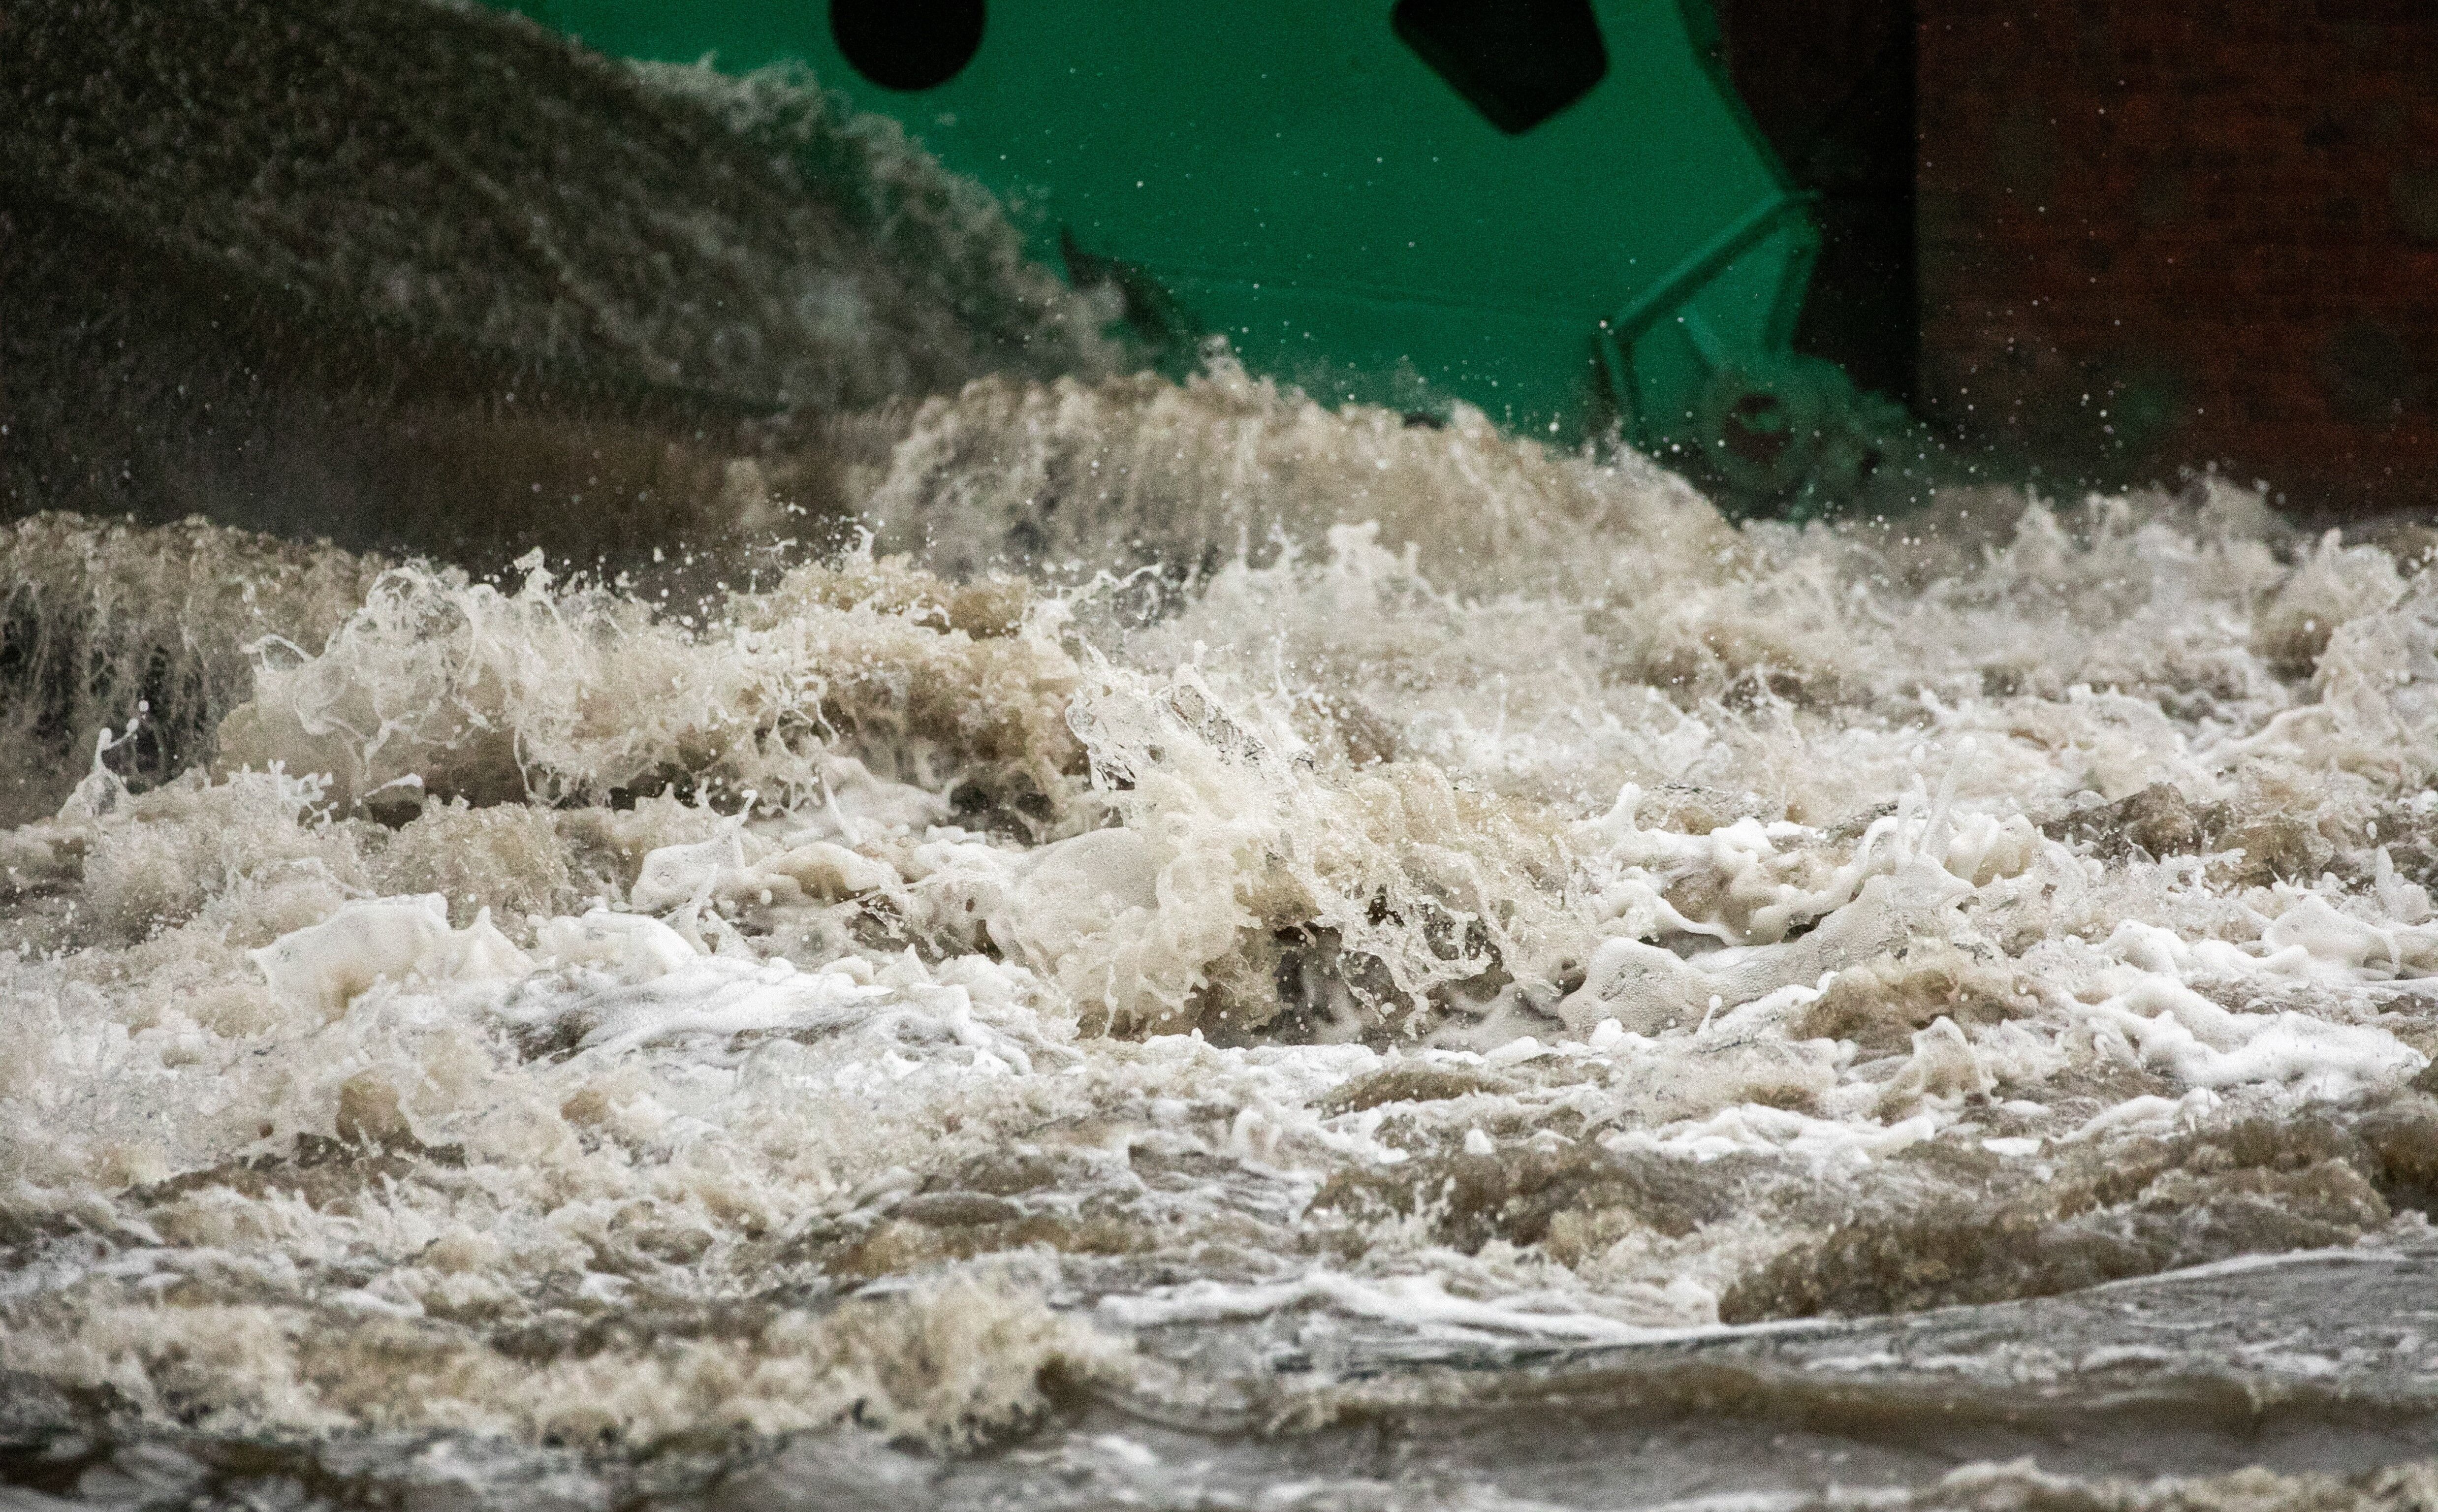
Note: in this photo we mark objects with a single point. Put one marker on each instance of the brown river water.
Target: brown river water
(1069, 941)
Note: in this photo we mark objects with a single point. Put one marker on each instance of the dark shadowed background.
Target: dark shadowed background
(2109, 242)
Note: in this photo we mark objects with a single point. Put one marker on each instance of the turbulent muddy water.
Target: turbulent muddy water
(1229, 955)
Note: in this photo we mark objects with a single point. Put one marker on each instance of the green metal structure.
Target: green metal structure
(1555, 210)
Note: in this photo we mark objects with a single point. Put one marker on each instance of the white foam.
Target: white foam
(1419, 1302)
(327, 966)
(630, 947)
(1550, 831)
(2174, 1027)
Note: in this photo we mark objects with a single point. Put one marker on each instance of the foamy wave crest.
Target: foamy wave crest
(1413, 894)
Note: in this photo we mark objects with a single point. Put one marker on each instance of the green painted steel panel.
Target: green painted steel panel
(1292, 175)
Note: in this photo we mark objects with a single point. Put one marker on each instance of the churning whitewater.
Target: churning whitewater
(1223, 953)
(1493, 905)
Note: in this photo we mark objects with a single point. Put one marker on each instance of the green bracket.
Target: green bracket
(1641, 368)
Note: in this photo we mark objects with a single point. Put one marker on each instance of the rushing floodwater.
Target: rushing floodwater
(1230, 955)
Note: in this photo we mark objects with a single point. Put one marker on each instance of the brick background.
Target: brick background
(2216, 219)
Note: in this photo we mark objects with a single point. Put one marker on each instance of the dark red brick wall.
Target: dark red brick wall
(2218, 221)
